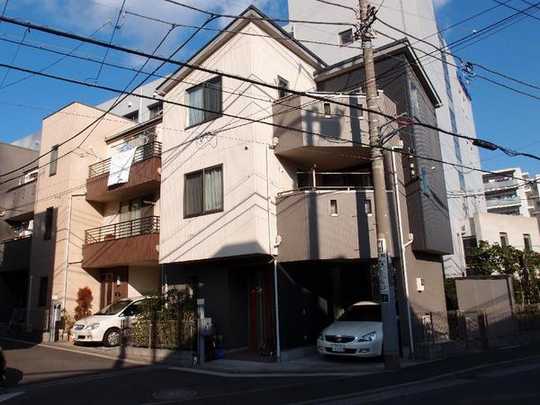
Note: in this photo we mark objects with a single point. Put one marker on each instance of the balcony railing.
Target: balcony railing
(503, 184)
(496, 202)
(147, 151)
(127, 229)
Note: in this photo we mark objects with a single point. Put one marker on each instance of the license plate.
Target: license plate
(338, 348)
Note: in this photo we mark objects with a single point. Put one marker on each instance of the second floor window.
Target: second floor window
(527, 242)
(155, 109)
(283, 87)
(504, 239)
(203, 192)
(53, 164)
(207, 100)
(346, 37)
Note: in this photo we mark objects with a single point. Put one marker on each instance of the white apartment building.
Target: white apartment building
(418, 18)
(507, 195)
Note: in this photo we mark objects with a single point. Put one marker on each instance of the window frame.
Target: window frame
(203, 212)
(132, 116)
(206, 119)
(503, 236)
(53, 161)
(155, 107)
(340, 36)
(527, 241)
(282, 80)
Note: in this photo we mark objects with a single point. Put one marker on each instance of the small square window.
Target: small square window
(327, 110)
(53, 164)
(333, 208)
(283, 87)
(346, 37)
(367, 207)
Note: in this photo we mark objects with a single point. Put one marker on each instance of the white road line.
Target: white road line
(7, 397)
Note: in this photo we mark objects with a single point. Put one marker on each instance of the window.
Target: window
(527, 242)
(415, 103)
(333, 208)
(155, 109)
(207, 100)
(53, 164)
(48, 223)
(346, 37)
(133, 116)
(43, 289)
(504, 239)
(203, 192)
(283, 87)
(327, 110)
(367, 207)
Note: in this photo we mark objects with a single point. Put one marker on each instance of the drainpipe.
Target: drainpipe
(276, 303)
(29, 303)
(402, 252)
(68, 230)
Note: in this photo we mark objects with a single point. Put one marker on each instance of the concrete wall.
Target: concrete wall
(252, 173)
(143, 280)
(489, 226)
(50, 258)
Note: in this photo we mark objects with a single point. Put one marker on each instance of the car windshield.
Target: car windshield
(362, 313)
(114, 308)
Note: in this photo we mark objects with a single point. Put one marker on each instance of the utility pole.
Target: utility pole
(382, 213)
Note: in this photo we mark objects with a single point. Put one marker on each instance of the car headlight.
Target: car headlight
(368, 337)
(93, 326)
(321, 337)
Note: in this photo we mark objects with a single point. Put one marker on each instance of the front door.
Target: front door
(113, 285)
(261, 323)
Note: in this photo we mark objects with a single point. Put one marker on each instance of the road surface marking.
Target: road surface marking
(269, 375)
(6, 397)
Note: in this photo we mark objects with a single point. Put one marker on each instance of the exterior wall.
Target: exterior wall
(31, 141)
(251, 172)
(416, 17)
(309, 231)
(498, 187)
(489, 226)
(143, 280)
(133, 103)
(62, 255)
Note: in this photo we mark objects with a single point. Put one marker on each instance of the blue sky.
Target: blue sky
(501, 116)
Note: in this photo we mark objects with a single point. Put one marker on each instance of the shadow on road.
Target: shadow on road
(13, 377)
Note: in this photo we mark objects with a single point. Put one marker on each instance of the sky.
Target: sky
(502, 116)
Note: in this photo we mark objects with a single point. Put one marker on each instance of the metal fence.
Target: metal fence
(127, 229)
(147, 151)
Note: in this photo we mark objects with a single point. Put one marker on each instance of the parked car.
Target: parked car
(357, 333)
(2, 366)
(106, 325)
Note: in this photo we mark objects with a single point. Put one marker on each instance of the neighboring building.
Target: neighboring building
(233, 201)
(507, 195)
(416, 17)
(17, 195)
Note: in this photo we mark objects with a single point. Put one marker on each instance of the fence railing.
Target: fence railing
(127, 229)
(147, 151)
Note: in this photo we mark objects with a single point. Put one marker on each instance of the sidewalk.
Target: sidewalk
(310, 365)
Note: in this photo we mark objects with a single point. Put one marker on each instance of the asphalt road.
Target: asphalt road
(42, 375)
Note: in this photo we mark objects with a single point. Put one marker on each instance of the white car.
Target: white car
(106, 325)
(357, 333)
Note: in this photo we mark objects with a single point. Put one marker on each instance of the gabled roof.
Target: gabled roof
(402, 46)
(263, 22)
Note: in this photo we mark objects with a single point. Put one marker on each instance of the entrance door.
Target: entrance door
(114, 285)
(261, 319)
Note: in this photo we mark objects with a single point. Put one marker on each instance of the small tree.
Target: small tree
(84, 303)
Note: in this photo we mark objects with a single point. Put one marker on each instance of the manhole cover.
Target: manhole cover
(174, 394)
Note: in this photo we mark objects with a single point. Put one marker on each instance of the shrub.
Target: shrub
(84, 303)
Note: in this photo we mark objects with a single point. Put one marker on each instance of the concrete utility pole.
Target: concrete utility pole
(382, 213)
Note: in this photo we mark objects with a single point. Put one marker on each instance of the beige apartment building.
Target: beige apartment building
(87, 234)
(273, 219)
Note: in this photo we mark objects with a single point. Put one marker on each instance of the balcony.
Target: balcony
(15, 254)
(500, 185)
(326, 225)
(126, 243)
(503, 202)
(144, 176)
(20, 202)
(339, 125)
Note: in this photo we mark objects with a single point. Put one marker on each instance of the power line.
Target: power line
(14, 57)
(111, 89)
(281, 20)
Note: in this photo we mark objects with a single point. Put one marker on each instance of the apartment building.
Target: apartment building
(454, 112)
(17, 193)
(507, 195)
(252, 212)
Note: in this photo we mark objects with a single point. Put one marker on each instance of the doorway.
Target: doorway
(114, 286)
(262, 337)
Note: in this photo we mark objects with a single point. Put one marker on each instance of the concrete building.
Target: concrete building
(236, 203)
(17, 193)
(505, 194)
(416, 17)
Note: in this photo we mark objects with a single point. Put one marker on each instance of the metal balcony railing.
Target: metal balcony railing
(127, 229)
(147, 151)
(499, 202)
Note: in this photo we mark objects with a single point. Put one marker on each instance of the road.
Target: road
(43, 375)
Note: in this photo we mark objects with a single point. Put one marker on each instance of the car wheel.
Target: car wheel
(112, 337)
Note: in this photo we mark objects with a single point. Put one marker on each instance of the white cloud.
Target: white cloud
(440, 3)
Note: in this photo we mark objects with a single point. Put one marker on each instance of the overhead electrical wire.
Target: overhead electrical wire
(114, 90)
